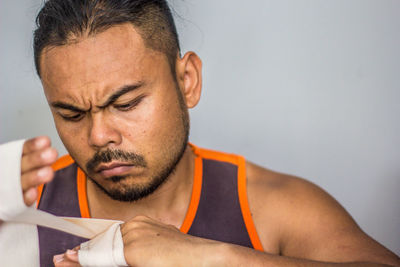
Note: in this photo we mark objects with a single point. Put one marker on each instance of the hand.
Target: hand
(148, 242)
(37, 157)
(68, 259)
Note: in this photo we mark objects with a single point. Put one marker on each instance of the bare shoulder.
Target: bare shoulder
(296, 218)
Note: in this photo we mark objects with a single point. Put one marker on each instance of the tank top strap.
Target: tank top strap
(223, 212)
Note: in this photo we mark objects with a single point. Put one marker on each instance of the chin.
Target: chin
(121, 189)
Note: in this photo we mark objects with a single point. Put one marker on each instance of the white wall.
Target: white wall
(309, 88)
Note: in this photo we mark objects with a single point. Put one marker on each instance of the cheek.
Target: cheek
(66, 131)
(165, 127)
(73, 139)
(152, 125)
(146, 120)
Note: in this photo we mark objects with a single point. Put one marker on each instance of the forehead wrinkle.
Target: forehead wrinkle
(91, 93)
(89, 70)
(79, 101)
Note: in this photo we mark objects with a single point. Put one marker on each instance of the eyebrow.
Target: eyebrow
(66, 106)
(121, 91)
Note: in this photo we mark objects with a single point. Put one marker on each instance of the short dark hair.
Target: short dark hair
(62, 21)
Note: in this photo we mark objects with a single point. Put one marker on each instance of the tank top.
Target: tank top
(218, 207)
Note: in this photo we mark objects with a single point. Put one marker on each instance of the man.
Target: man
(119, 93)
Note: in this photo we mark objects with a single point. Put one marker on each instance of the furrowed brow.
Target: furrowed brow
(66, 106)
(123, 90)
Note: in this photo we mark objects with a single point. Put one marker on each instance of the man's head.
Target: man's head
(118, 108)
(61, 22)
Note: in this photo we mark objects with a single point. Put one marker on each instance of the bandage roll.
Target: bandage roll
(106, 249)
(19, 245)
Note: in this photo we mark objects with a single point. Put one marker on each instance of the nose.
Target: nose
(103, 132)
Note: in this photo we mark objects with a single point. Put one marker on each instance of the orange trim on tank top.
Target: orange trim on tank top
(195, 198)
(216, 155)
(196, 189)
(62, 162)
(82, 193)
(39, 192)
(242, 189)
(244, 205)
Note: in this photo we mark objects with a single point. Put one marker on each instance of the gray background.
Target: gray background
(309, 88)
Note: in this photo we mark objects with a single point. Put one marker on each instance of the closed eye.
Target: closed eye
(74, 118)
(130, 105)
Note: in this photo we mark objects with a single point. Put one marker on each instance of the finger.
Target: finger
(38, 159)
(57, 259)
(30, 196)
(36, 177)
(31, 180)
(36, 143)
(62, 261)
(72, 255)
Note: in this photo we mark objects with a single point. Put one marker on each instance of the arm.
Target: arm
(298, 223)
(240, 256)
(148, 242)
(308, 222)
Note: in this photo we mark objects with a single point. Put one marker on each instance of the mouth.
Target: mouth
(114, 169)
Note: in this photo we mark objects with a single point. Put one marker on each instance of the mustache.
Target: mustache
(109, 155)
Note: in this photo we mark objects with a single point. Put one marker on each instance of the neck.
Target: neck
(167, 204)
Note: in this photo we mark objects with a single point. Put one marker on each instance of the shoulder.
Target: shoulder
(285, 206)
(297, 218)
(287, 195)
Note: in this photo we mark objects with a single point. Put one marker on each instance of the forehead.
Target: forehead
(117, 52)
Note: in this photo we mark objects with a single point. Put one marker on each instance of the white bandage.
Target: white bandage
(106, 249)
(19, 245)
(11, 199)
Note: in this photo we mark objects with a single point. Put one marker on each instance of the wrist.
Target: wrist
(219, 254)
(226, 254)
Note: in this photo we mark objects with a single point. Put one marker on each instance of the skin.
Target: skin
(298, 223)
(37, 157)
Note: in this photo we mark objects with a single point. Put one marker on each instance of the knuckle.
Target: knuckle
(28, 144)
(141, 218)
(38, 158)
(45, 173)
(41, 141)
(132, 225)
(36, 177)
(35, 144)
(48, 154)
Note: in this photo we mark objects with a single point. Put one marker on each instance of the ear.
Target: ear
(188, 73)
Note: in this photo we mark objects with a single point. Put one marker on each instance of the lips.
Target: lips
(114, 169)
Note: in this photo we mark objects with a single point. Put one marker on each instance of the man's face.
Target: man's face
(117, 110)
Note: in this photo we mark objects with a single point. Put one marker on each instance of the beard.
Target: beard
(128, 192)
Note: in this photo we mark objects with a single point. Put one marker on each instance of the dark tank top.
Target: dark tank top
(218, 208)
